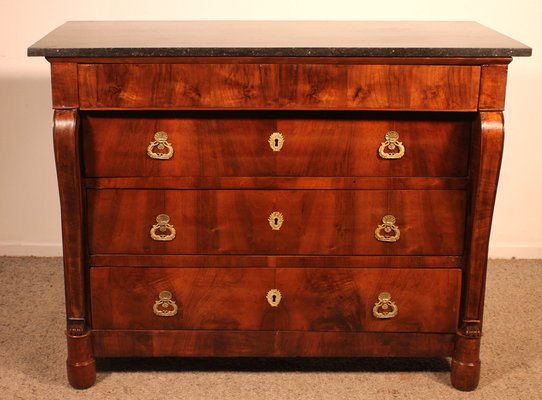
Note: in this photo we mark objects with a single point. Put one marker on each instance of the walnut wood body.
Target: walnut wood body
(328, 180)
(224, 144)
(324, 222)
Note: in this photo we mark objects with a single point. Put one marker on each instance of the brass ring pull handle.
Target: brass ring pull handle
(163, 226)
(164, 306)
(274, 297)
(392, 143)
(276, 219)
(382, 232)
(276, 141)
(160, 142)
(385, 308)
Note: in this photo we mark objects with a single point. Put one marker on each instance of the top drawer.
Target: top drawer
(275, 143)
(279, 86)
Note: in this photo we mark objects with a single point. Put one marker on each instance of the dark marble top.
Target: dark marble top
(276, 39)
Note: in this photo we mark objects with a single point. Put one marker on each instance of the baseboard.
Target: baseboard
(529, 252)
(41, 249)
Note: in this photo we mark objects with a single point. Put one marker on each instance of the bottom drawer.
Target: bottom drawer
(304, 299)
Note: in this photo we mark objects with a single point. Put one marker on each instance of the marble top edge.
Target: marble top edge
(276, 39)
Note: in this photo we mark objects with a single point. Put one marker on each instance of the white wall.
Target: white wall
(29, 210)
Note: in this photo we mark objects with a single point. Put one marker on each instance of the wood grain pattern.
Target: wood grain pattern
(362, 344)
(183, 343)
(155, 343)
(342, 300)
(236, 221)
(279, 86)
(224, 144)
(65, 89)
(207, 298)
(493, 87)
(309, 261)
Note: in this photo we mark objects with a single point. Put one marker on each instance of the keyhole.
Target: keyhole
(276, 221)
(276, 143)
(274, 298)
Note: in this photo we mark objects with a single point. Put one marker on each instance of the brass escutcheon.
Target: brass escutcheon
(276, 141)
(392, 143)
(162, 225)
(160, 142)
(387, 227)
(274, 297)
(165, 306)
(276, 219)
(388, 308)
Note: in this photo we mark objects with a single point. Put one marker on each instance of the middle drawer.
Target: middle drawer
(327, 222)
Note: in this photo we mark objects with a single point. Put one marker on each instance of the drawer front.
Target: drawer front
(342, 299)
(279, 86)
(309, 144)
(242, 221)
(206, 298)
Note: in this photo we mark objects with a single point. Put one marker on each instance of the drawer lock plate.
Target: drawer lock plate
(276, 141)
(276, 219)
(274, 297)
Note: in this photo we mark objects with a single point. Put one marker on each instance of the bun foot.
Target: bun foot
(466, 363)
(81, 364)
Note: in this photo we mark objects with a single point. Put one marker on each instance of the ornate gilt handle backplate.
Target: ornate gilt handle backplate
(385, 308)
(160, 143)
(165, 306)
(392, 148)
(388, 231)
(162, 231)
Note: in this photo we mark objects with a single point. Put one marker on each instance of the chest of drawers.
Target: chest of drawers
(276, 189)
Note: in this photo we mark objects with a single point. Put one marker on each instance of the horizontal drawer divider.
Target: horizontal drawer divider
(323, 183)
(299, 261)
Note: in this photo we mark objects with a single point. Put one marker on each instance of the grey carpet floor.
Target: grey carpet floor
(32, 353)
